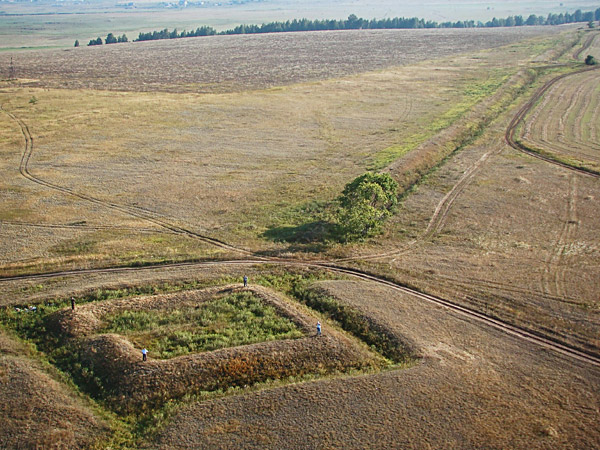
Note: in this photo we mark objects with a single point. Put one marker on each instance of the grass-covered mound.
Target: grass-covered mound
(239, 318)
(224, 336)
(37, 409)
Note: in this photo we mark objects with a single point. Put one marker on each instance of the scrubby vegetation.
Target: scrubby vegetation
(353, 321)
(590, 60)
(365, 204)
(229, 321)
(109, 369)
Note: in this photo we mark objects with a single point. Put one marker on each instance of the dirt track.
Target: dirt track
(435, 222)
(134, 211)
(522, 113)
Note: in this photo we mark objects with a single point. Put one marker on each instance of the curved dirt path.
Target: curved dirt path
(438, 219)
(587, 44)
(469, 313)
(436, 222)
(137, 212)
(509, 135)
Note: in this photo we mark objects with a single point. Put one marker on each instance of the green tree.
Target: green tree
(590, 60)
(111, 39)
(365, 204)
(95, 41)
(76, 42)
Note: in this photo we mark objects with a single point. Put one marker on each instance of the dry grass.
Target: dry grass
(128, 382)
(566, 122)
(38, 411)
(518, 241)
(475, 388)
(230, 165)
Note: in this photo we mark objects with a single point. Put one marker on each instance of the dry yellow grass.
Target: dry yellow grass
(517, 241)
(229, 165)
(565, 124)
(475, 388)
(38, 411)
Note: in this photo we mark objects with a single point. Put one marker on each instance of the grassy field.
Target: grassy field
(237, 319)
(193, 159)
(232, 144)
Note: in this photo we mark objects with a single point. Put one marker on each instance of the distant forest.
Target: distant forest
(356, 23)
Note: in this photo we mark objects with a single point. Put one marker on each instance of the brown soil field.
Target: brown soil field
(102, 178)
(37, 410)
(242, 62)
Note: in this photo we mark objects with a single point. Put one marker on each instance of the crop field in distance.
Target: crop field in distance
(141, 182)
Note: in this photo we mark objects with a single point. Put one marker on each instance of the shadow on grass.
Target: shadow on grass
(313, 237)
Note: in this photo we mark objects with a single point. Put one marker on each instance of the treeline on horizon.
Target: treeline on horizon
(355, 23)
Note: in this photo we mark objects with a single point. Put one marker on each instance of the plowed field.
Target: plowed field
(235, 63)
(566, 123)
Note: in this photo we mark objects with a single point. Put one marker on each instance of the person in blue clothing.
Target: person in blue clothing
(318, 328)
(245, 281)
(144, 353)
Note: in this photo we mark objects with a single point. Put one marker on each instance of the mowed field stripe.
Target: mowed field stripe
(525, 109)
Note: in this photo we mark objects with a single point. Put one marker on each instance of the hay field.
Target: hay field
(489, 227)
(565, 123)
(232, 165)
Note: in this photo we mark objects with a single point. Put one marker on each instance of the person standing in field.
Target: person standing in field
(245, 281)
(144, 353)
(72, 303)
(318, 328)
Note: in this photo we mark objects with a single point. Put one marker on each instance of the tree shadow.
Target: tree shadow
(313, 237)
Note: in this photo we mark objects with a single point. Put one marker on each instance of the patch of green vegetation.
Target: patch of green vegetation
(471, 95)
(131, 429)
(390, 154)
(74, 247)
(355, 322)
(235, 319)
(304, 224)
